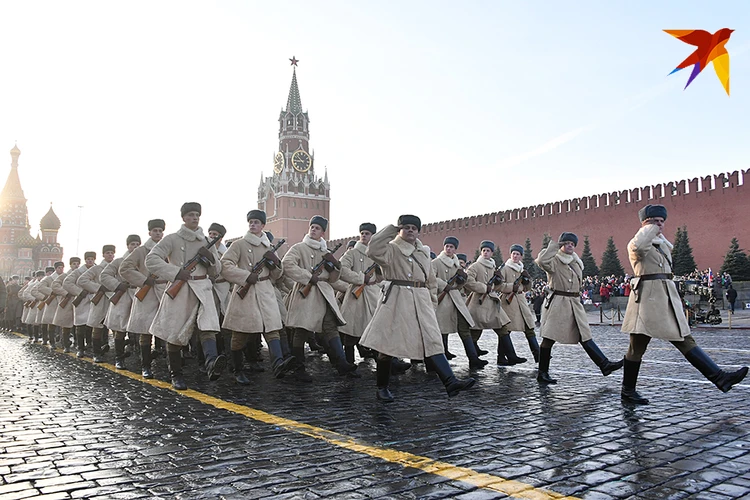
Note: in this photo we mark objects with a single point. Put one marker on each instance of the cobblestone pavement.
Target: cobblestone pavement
(71, 429)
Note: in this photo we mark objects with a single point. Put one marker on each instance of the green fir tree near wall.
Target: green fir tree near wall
(610, 261)
(736, 262)
(683, 262)
(529, 264)
(589, 264)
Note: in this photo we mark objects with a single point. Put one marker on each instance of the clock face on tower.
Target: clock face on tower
(278, 162)
(301, 161)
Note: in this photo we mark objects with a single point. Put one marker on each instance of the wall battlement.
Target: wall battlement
(711, 207)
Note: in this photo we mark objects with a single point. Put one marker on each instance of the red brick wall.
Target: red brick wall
(714, 208)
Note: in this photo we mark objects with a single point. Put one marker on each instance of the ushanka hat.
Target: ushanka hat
(650, 211)
(487, 244)
(568, 237)
(88, 255)
(131, 238)
(516, 248)
(58, 264)
(319, 220)
(410, 219)
(75, 259)
(462, 256)
(190, 206)
(257, 214)
(154, 223)
(215, 226)
(368, 226)
(451, 240)
(108, 248)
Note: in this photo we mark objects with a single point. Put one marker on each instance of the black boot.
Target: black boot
(251, 354)
(398, 366)
(338, 358)
(238, 359)
(281, 365)
(88, 331)
(448, 354)
(475, 334)
(97, 345)
(119, 353)
(65, 339)
(542, 374)
(366, 352)
(286, 351)
(299, 373)
(146, 361)
(599, 359)
(215, 362)
(452, 385)
(45, 334)
(471, 353)
(383, 376)
(81, 341)
(509, 350)
(174, 358)
(721, 379)
(534, 346)
(629, 380)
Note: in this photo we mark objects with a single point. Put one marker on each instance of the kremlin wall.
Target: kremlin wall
(714, 209)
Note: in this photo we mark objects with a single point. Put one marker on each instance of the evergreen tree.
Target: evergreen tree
(736, 263)
(529, 264)
(589, 263)
(610, 261)
(683, 262)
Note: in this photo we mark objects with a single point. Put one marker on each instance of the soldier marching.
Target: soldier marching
(388, 297)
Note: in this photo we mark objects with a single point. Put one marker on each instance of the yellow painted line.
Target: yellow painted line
(509, 487)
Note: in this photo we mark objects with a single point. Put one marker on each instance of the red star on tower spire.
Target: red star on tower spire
(294, 61)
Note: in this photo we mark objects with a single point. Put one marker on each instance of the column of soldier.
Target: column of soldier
(389, 296)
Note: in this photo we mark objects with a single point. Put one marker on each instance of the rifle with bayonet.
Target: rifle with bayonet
(189, 266)
(258, 267)
(369, 273)
(317, 270)
(459, 277)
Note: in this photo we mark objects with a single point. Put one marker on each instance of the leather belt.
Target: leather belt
(408, 284)
(566, 294)
(222, 280)
(648, 277)
(199, 277)
(413, 284)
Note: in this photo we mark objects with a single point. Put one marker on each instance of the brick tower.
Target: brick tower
(294, 193)
(16, 244)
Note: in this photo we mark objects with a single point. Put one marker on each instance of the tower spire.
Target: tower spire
(12, 189)
(293, 102)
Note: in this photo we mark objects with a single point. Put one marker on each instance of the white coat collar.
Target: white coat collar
(190, 235)
(361, 247)
(448, 261)
(516, 267)
(661, 240)
(256, 240)
(408, 248)
(569, 259)
(317, 245)
(486, 262)
(149, 244)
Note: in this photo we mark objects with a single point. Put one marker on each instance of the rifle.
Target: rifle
(190, 265)
(49, 299)
(357, 292)
(518, 280)
(257, 268)
(97, 297)
(460, 273)
(79, 298)
(41, 304)
(116, 297)
(316, 272)
(495, 279)
(64, 301)
(143, 291)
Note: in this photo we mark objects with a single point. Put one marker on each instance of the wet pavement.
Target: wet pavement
(72, 429)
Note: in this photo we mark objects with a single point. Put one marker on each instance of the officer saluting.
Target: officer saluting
(404, 323)
(563, 317)
(655, 308)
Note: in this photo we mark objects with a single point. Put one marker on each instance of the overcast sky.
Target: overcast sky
(442, 109)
